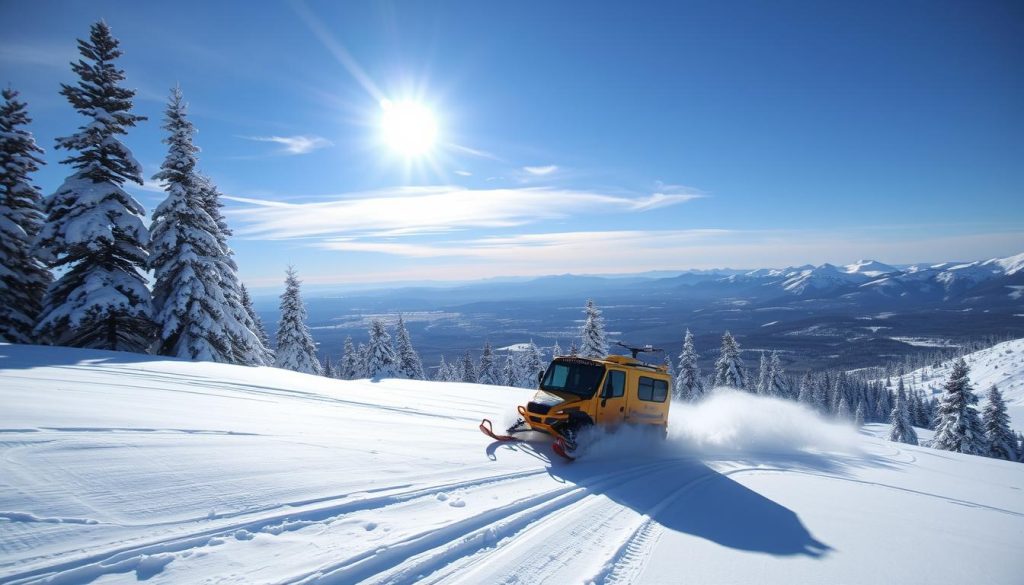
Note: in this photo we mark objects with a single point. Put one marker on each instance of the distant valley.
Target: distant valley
(818, 316)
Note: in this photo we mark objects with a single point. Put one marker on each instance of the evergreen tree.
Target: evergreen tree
(381, 361)
(189, 307)
(839, 389)
(467, 369)
(348, 369)
(762, 377)
(556, 350)
(23, 278)
(776, 377)
(858, 415)
(574, 349)
(729, 369)
(488, 373)
(409, 364)
(362, 361)
(821, 395)
(328, 368)
(901, 431)
(533, 365)
(806, 394)
(959, 427)
(247, 347)
(688, 383)
(592, 336)
(1002, 444)
(843, 410)
(441, 375)
(260, 330)
(94, 231)
(670, 368)
(509, 374)
(295, 347)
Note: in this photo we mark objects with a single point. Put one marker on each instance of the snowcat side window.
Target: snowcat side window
(581, 379)
(614, 385)
(652, 390)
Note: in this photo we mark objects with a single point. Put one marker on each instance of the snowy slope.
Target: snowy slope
(1001, 364)
(118, 467)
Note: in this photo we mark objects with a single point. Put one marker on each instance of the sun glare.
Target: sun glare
(408, 128)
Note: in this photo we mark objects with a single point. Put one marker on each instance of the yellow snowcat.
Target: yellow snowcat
(576, 393)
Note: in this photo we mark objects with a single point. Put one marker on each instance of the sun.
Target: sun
(408, 128)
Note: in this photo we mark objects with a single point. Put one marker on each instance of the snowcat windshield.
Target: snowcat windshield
(577, 377)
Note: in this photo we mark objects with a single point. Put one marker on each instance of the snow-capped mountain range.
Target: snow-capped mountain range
(945, 279)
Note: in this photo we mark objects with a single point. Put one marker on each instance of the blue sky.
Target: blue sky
(572, 137)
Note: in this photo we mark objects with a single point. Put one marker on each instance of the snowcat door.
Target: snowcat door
(611, 408)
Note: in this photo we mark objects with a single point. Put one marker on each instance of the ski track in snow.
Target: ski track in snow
(175, 472)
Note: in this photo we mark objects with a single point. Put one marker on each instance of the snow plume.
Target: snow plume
(739, 421)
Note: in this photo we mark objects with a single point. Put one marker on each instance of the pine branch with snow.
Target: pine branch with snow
(94, 230)
(23, 278)
(295, 347)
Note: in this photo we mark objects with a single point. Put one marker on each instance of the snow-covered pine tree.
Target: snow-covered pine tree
(509, 372)
(688, 384)
(821, 390)
(594, 344)
(362, 361)
(669, 366)
(913, 402)
(94, 231)
(189, 307)
(858, 415)
(247, 347)
(1002, 444)
(959, 427)
(843, 410)
(762, 375)
(441, 375)
(23, 278)
(487, 373)
(574, 350)
(295, 347)
(348, 366)
(838, 394)
(409, 364)
(533, 365)
(556, 350)
(260, 330)
(806, 394)
(467, 369)
(776, 385)
(729, 369)
(901, 430)
(328, 367)
(381, 359)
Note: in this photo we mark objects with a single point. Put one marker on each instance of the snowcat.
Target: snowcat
(576, 393)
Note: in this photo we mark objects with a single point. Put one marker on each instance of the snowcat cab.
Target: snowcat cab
(577, 392)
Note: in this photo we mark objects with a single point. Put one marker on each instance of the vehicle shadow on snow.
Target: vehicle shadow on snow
(685, 495)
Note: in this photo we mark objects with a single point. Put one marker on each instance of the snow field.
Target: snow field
(120, 467)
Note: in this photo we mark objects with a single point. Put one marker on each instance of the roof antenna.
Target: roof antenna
(638, 350)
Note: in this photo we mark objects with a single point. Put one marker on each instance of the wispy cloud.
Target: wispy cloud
(541, 171)
(464, 173)
(431, 209)
(613, 245)
(294, 144)
(39, 55)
